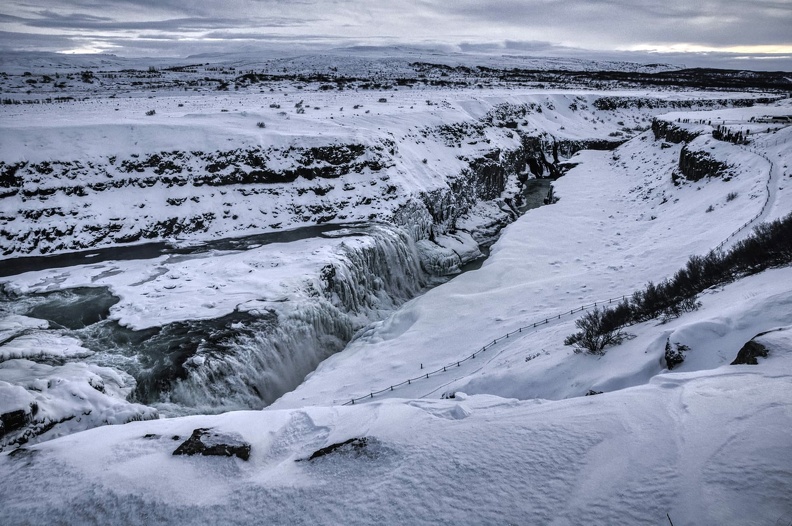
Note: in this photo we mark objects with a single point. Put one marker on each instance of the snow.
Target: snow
(101, 135)
(12, 326)
(164, 290)
(620, 222)
(63, 399)
(507, 437)
(448, 252)
(355, 60)
(43, 345)
(706, 447)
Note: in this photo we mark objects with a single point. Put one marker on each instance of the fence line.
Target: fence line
(764, 206)
(458, 363)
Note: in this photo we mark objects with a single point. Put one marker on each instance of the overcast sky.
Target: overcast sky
(752, 34)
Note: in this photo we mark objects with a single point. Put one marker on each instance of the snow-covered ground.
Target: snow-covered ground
(102, 171)
(703, 447)
(620, 222)
(507, 437)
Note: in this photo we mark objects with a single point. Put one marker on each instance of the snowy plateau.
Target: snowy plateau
(336, 289)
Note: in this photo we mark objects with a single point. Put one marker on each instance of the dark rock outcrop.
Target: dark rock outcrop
(610, 103)
(354, 447)
(486, 176)
(696, 164)
(749, 352)
(674, 354)
(207, 442)
(544, 158)
(536, 160)
(196, 168)
(671, 132)
(12, 421)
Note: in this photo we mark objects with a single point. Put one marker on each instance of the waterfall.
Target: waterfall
(371, 276)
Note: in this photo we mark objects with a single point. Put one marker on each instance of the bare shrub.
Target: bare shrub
(596, 333)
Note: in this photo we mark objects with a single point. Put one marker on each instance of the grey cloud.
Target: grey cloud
(4, 18)
(533, 46)
(233, 35)
(80, 21)
(530, 26)
(70, 20)
(708, 22)
(13, 41)
(174, 24)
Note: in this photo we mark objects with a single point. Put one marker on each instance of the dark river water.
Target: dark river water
(159, 357)
(10, 267)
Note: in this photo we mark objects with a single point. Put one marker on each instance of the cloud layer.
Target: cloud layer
(711, 28)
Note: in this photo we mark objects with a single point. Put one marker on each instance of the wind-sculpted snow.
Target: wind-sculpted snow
(705, 448)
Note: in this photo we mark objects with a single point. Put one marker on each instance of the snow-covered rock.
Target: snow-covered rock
(59, 400)
(684, 446)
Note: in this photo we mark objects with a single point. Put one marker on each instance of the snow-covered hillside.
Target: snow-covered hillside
(102, 172)
(709, 447)
(703, 447)
(624, 218)
(307, 265)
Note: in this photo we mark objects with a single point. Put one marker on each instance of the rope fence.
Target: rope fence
(458, 363)
(764, 206)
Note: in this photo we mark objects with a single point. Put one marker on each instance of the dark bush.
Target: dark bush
(770, 245)
(674, 354)
(597, 331)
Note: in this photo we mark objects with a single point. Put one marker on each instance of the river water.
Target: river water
(13, 266)
(239, 360)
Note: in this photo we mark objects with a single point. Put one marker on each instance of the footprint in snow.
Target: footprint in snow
(300, 434)
(454, 412)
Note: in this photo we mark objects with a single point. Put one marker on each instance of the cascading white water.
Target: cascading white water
(372, 276)
(248, 359)
(380, 274)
